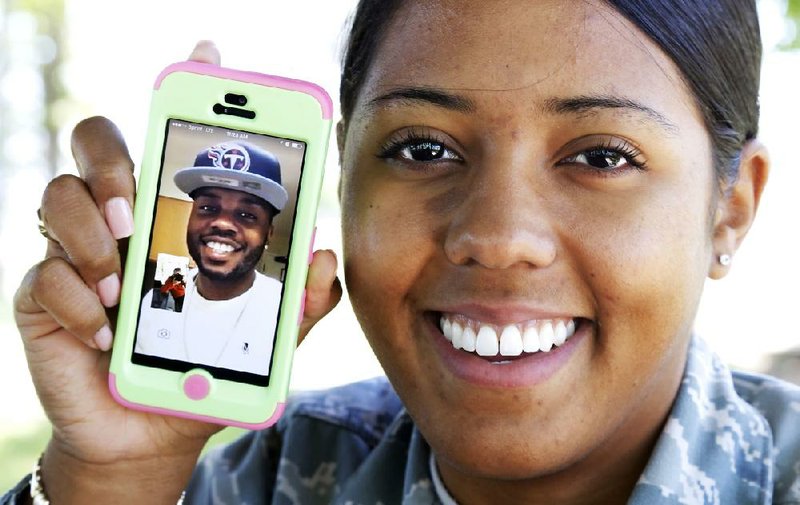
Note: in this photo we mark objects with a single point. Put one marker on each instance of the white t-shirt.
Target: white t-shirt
(236, 334)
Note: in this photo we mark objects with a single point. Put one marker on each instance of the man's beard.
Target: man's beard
(239, 272)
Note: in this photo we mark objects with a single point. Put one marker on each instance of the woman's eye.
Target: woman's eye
(605, 160)
(426, 151)
(601, 158)
(421, 151)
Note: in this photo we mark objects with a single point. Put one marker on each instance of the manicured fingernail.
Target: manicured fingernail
(205, 51)
(108, 290)
(119, 217)
(103, 338)
(205, 43)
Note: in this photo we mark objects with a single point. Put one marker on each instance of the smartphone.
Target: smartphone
(214, 282)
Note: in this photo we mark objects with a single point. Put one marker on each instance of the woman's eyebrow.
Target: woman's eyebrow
(432, 96)
(581, 104)
(587, 104)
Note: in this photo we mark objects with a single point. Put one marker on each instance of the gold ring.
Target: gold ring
(42, 227)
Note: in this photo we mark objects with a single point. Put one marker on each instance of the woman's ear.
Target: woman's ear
(737, 206)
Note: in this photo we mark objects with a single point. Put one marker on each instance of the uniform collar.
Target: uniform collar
(715, 448)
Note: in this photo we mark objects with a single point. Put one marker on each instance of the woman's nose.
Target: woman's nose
(503, 222)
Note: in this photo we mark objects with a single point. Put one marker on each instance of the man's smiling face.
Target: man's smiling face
(227, 232)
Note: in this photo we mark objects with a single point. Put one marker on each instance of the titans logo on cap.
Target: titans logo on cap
(240, 166)
(230, 156)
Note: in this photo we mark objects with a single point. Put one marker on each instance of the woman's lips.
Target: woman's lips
(503, 355)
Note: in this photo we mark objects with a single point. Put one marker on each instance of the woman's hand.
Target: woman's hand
(101, 452)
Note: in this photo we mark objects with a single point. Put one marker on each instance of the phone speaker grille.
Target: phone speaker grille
(233, 111)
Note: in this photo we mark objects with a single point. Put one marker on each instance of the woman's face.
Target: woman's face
(506, 169)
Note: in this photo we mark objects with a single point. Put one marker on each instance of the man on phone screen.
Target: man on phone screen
(229, 310)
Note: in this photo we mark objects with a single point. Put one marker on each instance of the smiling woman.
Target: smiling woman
(527, 188)
(532, 199)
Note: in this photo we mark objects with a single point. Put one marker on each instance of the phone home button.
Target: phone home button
(196, 386)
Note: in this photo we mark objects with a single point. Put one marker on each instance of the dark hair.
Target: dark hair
(716, 44)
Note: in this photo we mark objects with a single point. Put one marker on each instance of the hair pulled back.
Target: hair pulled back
(715, 44)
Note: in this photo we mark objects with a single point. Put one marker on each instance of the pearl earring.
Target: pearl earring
(724, 259)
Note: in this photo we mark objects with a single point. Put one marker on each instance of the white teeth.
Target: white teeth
(457, 332)
(546, 337)
(457, 336)
(468, 339)
(486, 344)
(447, 328)
(530, 340)
(511, 341)
(219, 247)
(560, 333)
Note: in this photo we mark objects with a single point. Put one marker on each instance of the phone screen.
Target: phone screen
(219, 244)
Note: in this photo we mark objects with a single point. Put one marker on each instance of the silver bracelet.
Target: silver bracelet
(39, 497)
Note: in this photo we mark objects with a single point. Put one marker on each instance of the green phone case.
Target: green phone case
(296, 110)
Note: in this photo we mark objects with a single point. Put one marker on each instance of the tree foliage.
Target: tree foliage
(793, 15)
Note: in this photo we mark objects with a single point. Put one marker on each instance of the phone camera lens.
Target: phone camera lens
(234, 99)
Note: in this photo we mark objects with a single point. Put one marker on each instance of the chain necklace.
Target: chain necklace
(187, 310)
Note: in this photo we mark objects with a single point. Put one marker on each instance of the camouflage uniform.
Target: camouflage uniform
(731, 439)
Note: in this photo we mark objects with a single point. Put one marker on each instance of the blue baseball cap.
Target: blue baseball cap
(238, 166)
